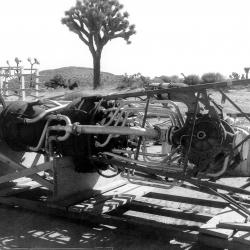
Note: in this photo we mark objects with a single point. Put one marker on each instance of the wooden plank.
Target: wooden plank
(99, 200)
(178, 223)
(112, 202)
(130, 224)
(235, 226)
(220, 243)
(242, 237)
(226, 215)
(94, 200)
(140, 205)
(190, 200)
(16, 166)
(26, 172)
(19, 188)
(152, 224)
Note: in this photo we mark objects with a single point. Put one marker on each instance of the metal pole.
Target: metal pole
(191, 88)
(94, 129)
(107, 130)
(1, 81)
(22, 85)
(37, 83)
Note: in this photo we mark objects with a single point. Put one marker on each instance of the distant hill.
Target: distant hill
(84, 75)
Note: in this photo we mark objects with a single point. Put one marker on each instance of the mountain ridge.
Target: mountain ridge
(83, 74)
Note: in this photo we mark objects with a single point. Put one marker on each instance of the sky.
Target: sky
(173, 37)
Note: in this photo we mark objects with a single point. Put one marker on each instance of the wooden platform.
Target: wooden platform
(228, 229)
(178, 213)
(127, 205)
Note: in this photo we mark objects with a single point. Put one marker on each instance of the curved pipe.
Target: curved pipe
(46, 130)
(222, 171)
(154, 166)
(151, 183)
(2, 101)
(43, 114)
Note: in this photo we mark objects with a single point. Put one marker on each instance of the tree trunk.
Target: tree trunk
(97, 71)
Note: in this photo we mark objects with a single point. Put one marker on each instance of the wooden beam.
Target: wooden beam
(26, 172)
(219, 243)
(120, 222)
(141, 206)
(19, 188)
(242, 237)
(225, 215)
(235, 226)
(110, 201)
(16, 166)
(189, 200)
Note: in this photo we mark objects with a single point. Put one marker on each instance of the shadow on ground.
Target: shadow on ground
(24, 229)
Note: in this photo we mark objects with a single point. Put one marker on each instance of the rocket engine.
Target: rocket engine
(23, 126)
(98, 132)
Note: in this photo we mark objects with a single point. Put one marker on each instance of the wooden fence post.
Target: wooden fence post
(22, 85)
(37, 83)
(1, 81)
(5, 86)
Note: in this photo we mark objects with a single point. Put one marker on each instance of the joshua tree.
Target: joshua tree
(96, 22)
(31, 70)
(18, 70)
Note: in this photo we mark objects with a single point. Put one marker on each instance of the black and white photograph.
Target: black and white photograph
(125, 124)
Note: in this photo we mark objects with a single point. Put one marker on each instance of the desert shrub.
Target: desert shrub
(170, 79)
(212, 77)
(55, 82)
(73, 83)
(192, 80)
(235, 76)
(131, 81)
(59, 80)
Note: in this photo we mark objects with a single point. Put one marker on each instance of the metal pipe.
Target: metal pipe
(43, 114)
(114, 115)
(96, 129)
(46, 130)
(149, 182)
(123, 151)
(191, 88)
(222, 171)
(98, 144)
(2, 101)
(54, 102)
(41, 140)
(148, 164)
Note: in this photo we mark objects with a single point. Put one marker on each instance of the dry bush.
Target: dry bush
(212, 77)
(192, 80)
